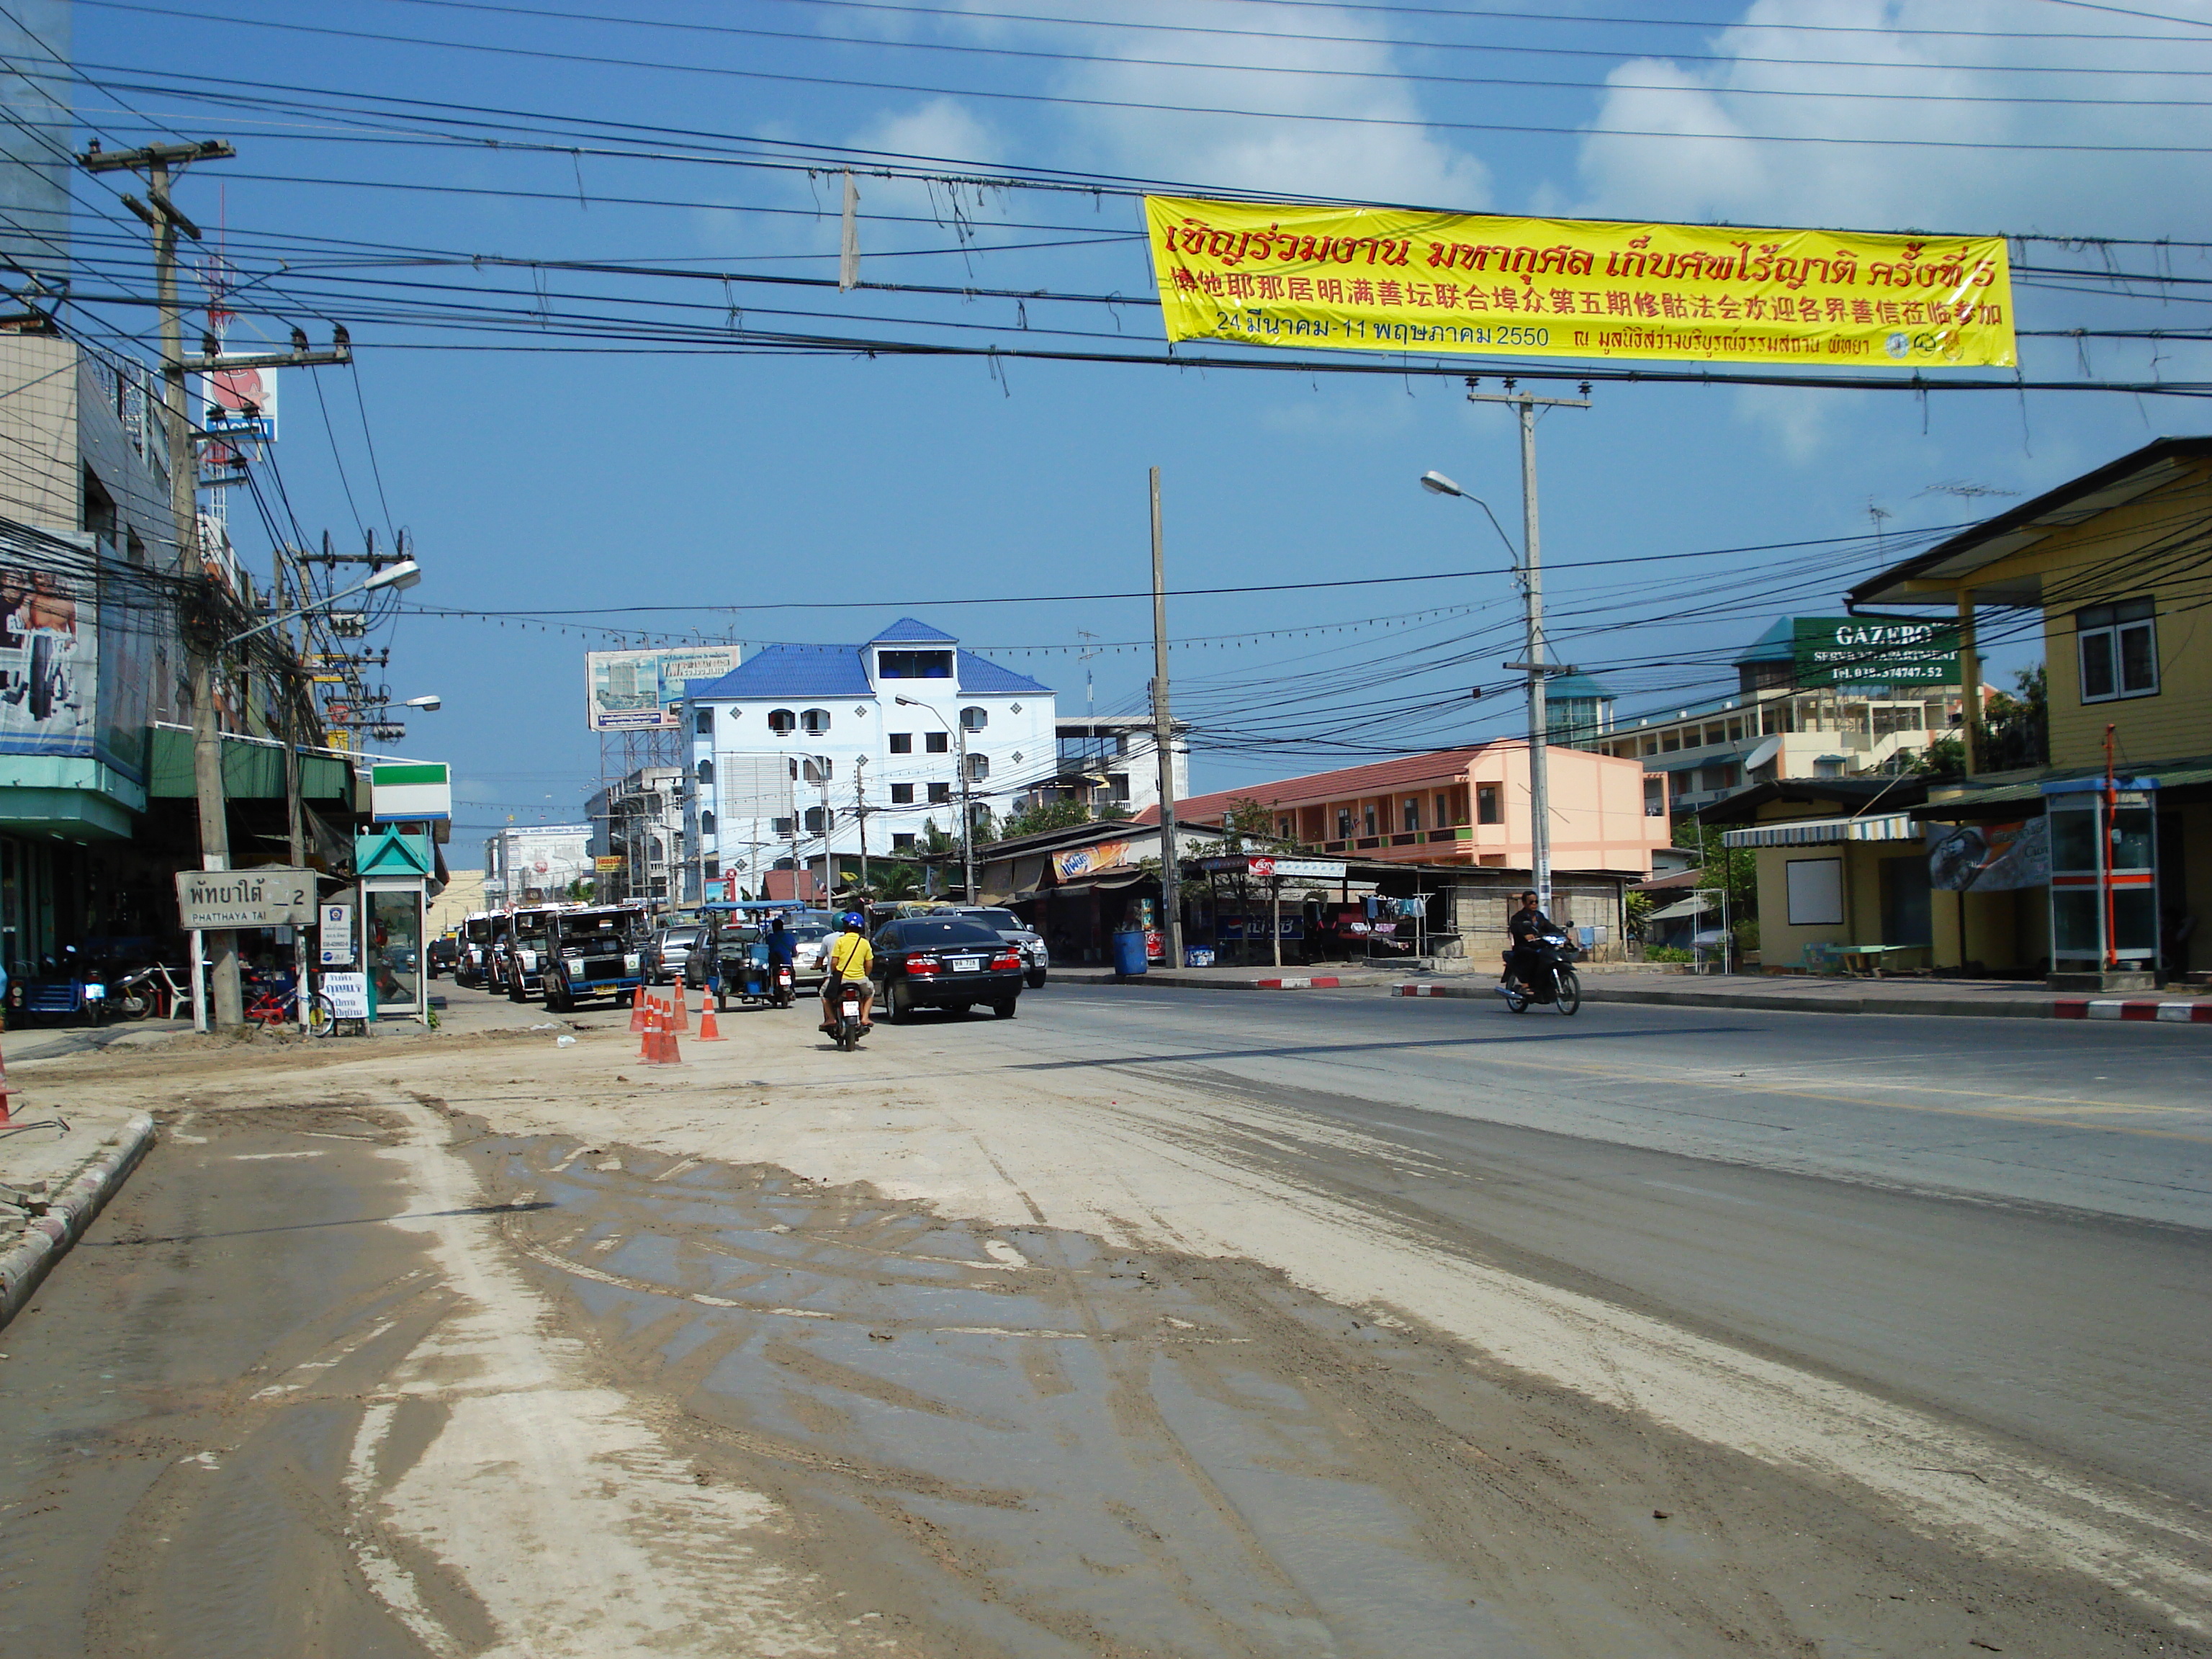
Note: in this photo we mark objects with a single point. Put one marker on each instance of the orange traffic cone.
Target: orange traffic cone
(669, 1055)
(646, 1050)
(709, 1030)
(683, 1022)
(637, 1012)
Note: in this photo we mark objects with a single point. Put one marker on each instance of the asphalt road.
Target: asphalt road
(2008, 1221)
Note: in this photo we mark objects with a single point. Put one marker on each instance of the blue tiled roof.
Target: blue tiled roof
(791, 671)
(907, 631)
(986, 678)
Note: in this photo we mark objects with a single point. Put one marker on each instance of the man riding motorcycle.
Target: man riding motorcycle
(1525, 924)
(849, 957)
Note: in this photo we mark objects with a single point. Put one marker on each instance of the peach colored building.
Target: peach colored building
(1460, 806)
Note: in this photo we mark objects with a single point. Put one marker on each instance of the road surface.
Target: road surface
(1151, 1320)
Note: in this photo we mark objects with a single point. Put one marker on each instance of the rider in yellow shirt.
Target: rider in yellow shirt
(850, 957)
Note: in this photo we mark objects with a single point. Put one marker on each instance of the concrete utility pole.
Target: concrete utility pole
(860, 811)
(1532, 589)
(1164, 742)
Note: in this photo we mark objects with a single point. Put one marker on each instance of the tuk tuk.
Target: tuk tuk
(593, 950)
(736, 949)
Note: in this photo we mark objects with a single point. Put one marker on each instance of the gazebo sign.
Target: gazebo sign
(216, 900)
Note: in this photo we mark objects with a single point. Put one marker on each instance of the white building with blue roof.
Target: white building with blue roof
(880, 727)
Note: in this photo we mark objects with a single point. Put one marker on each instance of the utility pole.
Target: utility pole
(1164, 742)
(967, 815)
(1532, 589)
(164, 219)
(860, 811)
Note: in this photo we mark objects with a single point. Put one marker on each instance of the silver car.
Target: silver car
(1012, 929)
(670, 952)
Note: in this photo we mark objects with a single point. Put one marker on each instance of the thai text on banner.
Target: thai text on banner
(1393, 279)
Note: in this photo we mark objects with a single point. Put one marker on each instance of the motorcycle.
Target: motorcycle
(782, 994)
(1553, 980)
(848, 1016)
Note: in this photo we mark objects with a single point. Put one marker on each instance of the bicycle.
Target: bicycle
(279, 1004)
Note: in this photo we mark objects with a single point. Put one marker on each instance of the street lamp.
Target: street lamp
(395, 577)
(959, 734)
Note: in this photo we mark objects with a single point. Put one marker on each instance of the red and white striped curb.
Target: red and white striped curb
(1420, 990)
(2180, 1013)
(1319, 983)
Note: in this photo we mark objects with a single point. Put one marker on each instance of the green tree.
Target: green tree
(581, 889)
(1945, 757)
(898, 881)
(1730, 871)
(1046, 815)
(2017, 725)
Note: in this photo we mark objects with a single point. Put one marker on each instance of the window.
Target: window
(979, 768)
(1716, 733)
(1723, 776)
(940, 792)
(1367, 819)
(706, 824)
(1650, 747)
(1815, 887)
(703, 722)
(1117, 785)
(782, 721)
(818, 769)
(901, 743)
(1735, 731)
(936, 743)
(1669, 742)
(814, 720)
(2119, 650)
(1489, 807)
(1343, 824)
(783, 829)
(914, 665)
(1412, 813)
(814, 817)
(975, 720)
(902, 794)
(1443, 811)
(901, 842)
(705, 771)
(1283, 829)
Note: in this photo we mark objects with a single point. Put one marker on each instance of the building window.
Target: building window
(782, 721)
(940, 792)
(783, 829)
(1343, 824)
(814, 819)
(1283, 829)
(705, 771)
(1723, 776)
(1650, 747)
(1735, 731)
(936, 743)
(1669, 742)
(1489, 806)
(1367, 818)
(1443, 811)
(901, 743)
(902, 794)
(1117, 785)
(979, 768)
(706, 824)
(974, 719)
(901, 842)
(1413, 810)
(914, 665)
(814, 720)
(703, 722)
(2119, 650)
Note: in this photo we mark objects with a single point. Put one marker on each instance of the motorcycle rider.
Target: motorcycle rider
(849, 957)
(1526, 957)
(782, 949)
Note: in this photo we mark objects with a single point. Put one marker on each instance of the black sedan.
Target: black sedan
(944, 962)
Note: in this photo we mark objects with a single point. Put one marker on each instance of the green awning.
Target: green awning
(253, 769)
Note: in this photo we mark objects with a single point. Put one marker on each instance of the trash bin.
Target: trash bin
(1129, 956)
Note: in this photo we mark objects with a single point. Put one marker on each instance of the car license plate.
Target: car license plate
(965, 964)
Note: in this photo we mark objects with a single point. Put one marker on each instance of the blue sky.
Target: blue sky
(532, 481)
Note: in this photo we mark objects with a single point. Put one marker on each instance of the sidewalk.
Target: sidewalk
(1982, 999)
(57, 1169)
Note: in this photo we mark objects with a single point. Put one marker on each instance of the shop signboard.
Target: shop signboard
(221, 900)
(1319, 276)
(349, 994)
(1898, 651)
(1089, 860)
(335, 934)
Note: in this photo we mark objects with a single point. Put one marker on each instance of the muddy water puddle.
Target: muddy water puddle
(1009, 1441)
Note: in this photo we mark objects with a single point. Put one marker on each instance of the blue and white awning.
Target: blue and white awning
(1822, 832)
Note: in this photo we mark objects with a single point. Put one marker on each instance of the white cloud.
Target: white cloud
(1978, 187)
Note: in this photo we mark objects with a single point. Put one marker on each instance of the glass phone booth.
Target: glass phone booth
(2104, 877)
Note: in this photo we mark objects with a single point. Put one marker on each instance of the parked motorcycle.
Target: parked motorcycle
(1553, 980)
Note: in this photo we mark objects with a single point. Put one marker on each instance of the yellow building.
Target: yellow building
(2115, 567)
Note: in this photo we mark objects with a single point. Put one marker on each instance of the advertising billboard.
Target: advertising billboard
(1390, 279)
(1863, 650)
(49, 660)
(638, 690)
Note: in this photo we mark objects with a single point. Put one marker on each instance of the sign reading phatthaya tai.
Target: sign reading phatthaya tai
(1393, 279)
(271, 897)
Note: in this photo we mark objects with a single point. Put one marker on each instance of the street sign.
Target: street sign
(1311, 869)
(348, 995)
(271, 897)
(336, 950)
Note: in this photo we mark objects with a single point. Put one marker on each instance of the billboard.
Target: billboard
(638, 690)
(1865, 650)
(542, 862)
(1391, 279)
(49, 659)
(1989, 858)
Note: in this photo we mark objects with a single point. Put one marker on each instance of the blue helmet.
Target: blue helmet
(853, 922)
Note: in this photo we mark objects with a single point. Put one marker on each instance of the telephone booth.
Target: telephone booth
(395, 869)
(2104, 883)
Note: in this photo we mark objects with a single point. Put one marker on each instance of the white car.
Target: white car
(1007, 925)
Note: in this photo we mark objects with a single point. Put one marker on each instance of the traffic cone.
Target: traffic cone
(645, 1050)
(5, 1091)
(682, 1021)
(709, 1030)
(670, 1055)
(637, 1012)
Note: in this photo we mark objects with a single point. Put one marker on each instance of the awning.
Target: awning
(1820, 832)
(1696, 905)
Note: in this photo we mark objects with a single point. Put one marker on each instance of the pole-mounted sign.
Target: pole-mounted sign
(273, 896)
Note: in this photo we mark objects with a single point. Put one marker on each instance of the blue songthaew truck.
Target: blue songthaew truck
(593, 950)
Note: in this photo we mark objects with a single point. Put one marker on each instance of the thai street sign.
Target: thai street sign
(1394, 279)
(270, 896)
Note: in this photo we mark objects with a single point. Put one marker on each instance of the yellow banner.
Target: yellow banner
(1384, 279)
